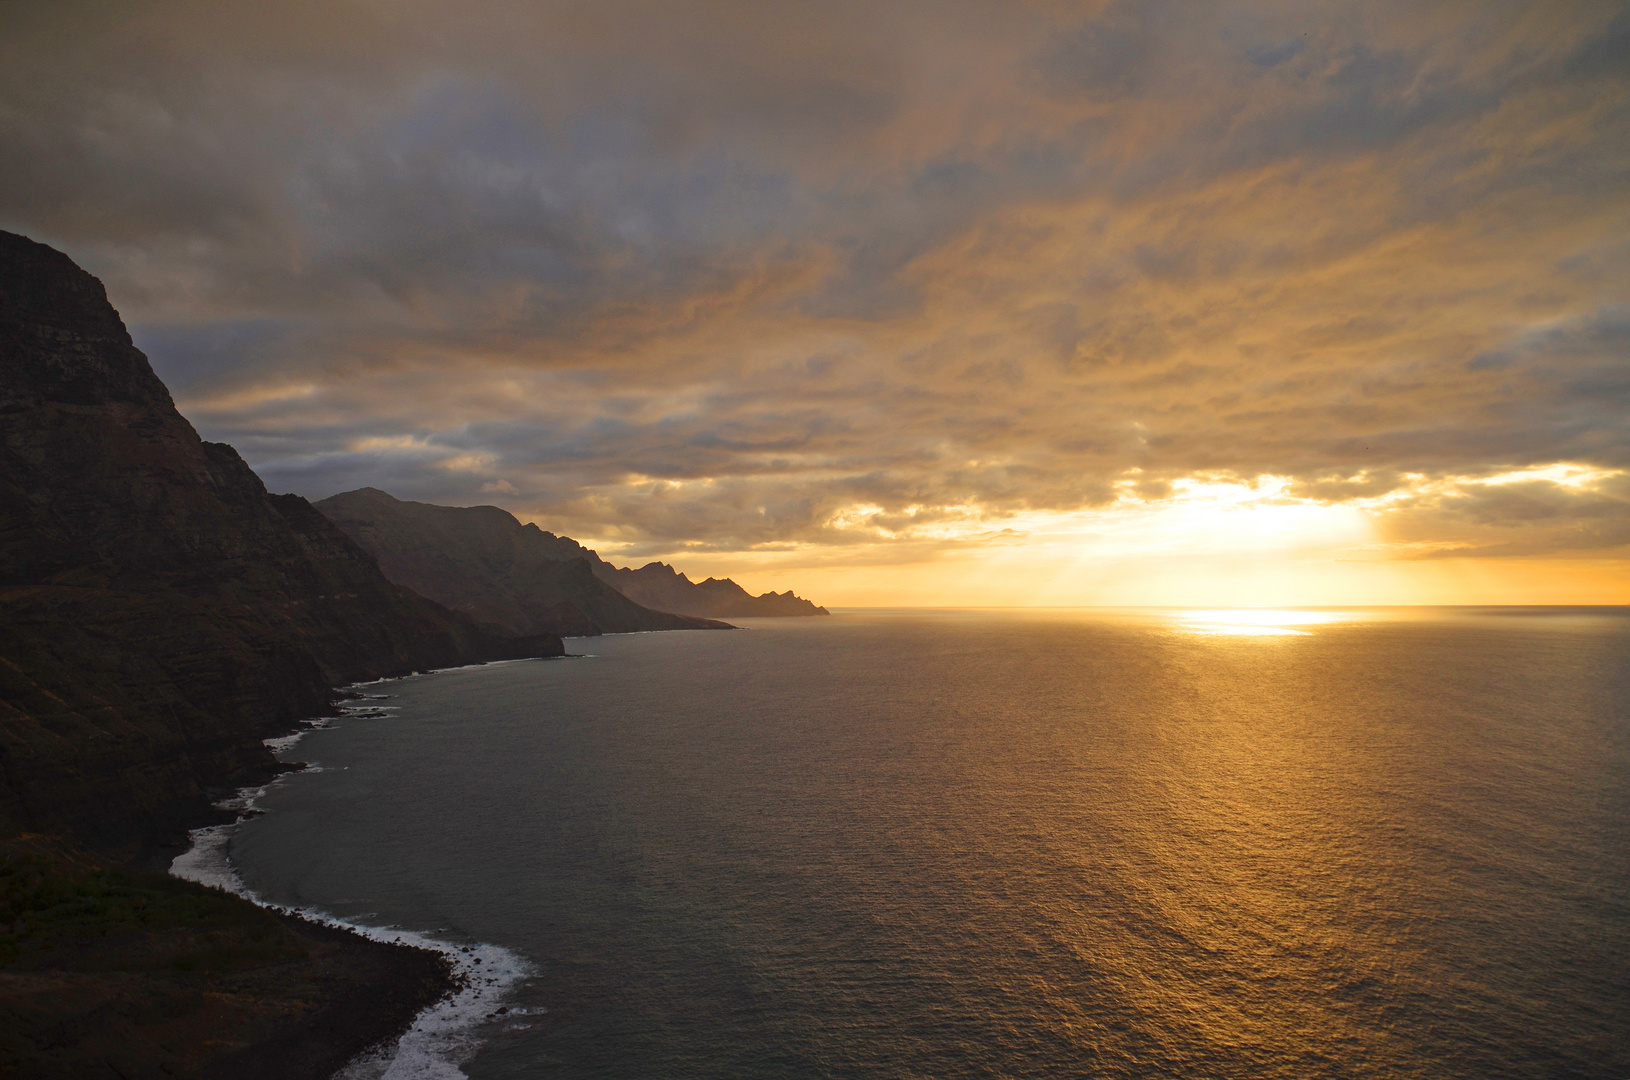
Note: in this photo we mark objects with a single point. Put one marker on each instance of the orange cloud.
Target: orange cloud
(926, 285)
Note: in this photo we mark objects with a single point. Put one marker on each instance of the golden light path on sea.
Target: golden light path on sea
(1258, 622)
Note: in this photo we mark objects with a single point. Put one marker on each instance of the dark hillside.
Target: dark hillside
(481, 561)
(160, 613)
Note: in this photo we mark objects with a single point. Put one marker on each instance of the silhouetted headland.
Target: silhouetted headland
(482, 561)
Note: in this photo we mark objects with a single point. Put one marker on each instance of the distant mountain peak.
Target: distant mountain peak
(517, 560)
(658, 585)
(483, 562)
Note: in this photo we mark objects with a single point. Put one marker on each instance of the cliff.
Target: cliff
(660, 586)
(160, 612)
(480, 561)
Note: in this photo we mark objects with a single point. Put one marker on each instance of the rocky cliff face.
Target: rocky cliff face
(160, 612)
(480, 561)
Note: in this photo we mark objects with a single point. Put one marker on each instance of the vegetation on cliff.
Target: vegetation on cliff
(120, 973)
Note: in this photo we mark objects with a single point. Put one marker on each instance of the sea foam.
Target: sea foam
(444, 1035)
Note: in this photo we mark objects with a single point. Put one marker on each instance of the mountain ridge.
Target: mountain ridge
(658, 585)
(484, 561)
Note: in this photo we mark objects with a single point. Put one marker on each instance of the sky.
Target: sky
(945, 303)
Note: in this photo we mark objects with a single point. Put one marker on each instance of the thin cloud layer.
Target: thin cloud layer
(890, 279)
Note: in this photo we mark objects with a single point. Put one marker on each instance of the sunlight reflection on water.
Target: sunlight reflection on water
(1257, 622)
(1025, 844)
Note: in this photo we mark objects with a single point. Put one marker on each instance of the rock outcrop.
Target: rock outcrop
(480, 561)
(660, 586)
(160, 612)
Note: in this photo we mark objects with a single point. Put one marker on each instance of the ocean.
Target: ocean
(1368, 843)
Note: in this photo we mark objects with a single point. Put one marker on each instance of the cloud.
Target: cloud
(735, 277)
(1519, 516)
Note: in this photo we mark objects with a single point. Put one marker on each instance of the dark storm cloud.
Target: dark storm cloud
(746, 275)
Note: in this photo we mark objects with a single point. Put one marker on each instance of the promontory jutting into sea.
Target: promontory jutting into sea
(894, 540)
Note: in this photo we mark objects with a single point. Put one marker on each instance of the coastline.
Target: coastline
(164, 614)
(110, 965)
(419, 999)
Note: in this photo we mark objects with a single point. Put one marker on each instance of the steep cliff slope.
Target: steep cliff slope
(481, 561)
(160, 613)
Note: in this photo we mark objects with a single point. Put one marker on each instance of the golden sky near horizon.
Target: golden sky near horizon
(890, 303)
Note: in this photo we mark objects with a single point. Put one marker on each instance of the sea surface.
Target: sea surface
(1377, 843)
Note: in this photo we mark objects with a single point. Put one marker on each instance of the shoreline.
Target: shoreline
(173, 977)
(361, 1036)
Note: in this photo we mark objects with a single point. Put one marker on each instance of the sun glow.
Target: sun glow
(1209, 543)
(1200, 515)
(1258, 622)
